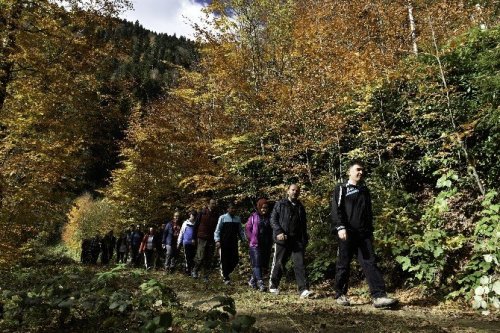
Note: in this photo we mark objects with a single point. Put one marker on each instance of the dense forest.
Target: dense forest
(104, 124)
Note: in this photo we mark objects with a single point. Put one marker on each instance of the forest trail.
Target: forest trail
(287, 313)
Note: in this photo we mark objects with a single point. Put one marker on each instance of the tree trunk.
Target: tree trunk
(413, 29)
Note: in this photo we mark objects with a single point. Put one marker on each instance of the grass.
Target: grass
(195, 300)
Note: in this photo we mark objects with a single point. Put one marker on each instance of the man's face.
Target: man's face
(212, 204)
(356, 173)
(231, 210)
(264, 209)
(293, 192)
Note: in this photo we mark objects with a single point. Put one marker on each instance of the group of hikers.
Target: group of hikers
(282, 228)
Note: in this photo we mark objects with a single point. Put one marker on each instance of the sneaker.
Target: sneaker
(273, 290)
(343, 300)
(261, 286)
(227, 282)
(384, 302)
(252, 284)
(305, 293)
(205, 279)
(194, 275)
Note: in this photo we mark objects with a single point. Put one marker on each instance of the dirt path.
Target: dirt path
(287, 313)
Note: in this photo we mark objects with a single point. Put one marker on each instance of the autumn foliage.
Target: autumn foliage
(282, 91)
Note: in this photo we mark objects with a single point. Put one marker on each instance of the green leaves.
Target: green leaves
(405, 262)
(445, 181)
(158, 324)
(222, 314)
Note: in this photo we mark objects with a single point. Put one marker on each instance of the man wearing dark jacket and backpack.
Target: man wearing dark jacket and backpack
(289, 224)
(352, 222)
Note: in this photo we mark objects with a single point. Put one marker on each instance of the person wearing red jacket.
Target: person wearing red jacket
(149, 246)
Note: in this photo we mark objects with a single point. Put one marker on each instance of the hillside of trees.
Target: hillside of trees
(70, 82)
(104, 124)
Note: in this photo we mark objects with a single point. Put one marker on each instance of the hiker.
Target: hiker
(226, 235)
(122, 247)
(135, 244)
(352, 223)
(260, 237)
(107, 246)
(149, 247)
(169, 242)
(186, 239)
(159, 254)
(206, 223)
(86, 256)
(95, 249)
(289, 224)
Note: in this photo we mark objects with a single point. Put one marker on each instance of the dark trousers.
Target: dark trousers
(121, 257)
(259, 259)
(149, 258)
(136, 257)
(281, 255)
(170, 255)
(189, 253)
(229, 259)
(204, 260)
(362, 245)
(255, 261)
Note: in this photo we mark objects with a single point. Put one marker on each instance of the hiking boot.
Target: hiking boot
(384, 302)
(305, 293)
(343, 300)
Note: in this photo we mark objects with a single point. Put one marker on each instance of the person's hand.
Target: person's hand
(281, 237)
(217, 245)
(342, 234)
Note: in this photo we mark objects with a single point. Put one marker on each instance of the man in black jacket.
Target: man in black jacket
(352, 222)
(289, 224)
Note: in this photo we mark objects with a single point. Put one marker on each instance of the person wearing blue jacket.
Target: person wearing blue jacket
(187, 240)
(227, 232)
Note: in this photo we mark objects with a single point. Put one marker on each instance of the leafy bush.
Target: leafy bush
(487, 294)
(483, 268)
(87, 217)
(62, 297)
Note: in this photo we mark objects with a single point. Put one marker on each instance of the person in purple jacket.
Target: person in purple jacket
(260, 235)
(187, 240)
